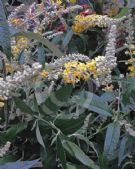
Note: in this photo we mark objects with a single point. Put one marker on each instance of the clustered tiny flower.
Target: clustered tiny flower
(128, 127)
(5, 149)
(82, 23)
(17, 80)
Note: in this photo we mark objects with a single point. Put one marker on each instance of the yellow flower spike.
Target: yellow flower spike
(9, 68)
(82, 23)
(131, 60)
(72, 1)
(86, 77)
(113, 11)
(15, 50)
(81, 67)
(131, 68)
(131, 74)
(108, 88)
(74, 72)
(1, 104)
(133, 52)
(16, 21)
(44, 73)
(132, 46)
(77, 74)
(59, 2)
(91, 65)
(22, 42)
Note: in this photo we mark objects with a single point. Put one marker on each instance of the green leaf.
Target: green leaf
(41, 55)
(68, 124)
(21, 57)
(67, 38)
(123, 12)
(122, 153)
(14, 130)
(19, 164)
(4, 32)
(112, 140)
(108, 97)
(57, 99)
(74, 166)
(86, 140)
(50, 160)
(61, 153)
(6, 159)
(42, 40)
(127, 91)
(126, 148)
(22, 106)
(77, 153)
(93, 103)
(39, 137)
(36, 108)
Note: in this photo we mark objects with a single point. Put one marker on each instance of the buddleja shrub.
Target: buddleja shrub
(67, 81)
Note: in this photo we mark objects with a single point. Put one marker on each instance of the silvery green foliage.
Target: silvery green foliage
(19, 164)
(112, 140)
(131, 4)
(4, 32)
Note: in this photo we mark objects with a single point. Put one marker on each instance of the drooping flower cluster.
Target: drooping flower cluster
(130, 46)
(56, 68)
(82, 23)
(5, 149)
(75, 71)
(11, 83)
(70, 57)
(128, 127)
(105, 64)
(130, 38)
(40, 17)
(99, 68)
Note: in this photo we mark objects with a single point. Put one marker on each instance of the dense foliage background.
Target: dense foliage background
(67, 82)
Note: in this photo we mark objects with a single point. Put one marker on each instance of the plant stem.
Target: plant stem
(6, 102)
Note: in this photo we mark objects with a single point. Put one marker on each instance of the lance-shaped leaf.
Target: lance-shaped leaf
(112, 140)
(61, 153)
(93, 103)
(42, 40)
(75, 152)
(19, 164)
(4, 32)
(57, 99)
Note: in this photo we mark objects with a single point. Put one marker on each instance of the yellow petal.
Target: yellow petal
(1, 104)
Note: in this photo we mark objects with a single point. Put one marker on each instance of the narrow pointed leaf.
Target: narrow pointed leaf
(111, 140)
(42, 40)
(39, 137)
(4, 32)
(61, 153)
(22, 106)
(77, 153)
